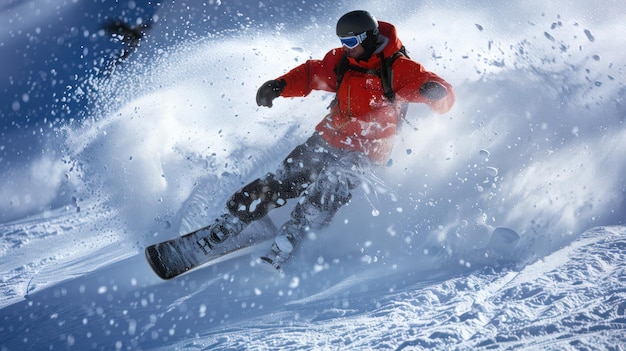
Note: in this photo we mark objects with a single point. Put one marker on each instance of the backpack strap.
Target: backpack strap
(341, 69)
(386, 77)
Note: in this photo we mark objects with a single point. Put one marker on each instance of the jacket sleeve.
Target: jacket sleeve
(312, 75)
(413, 83)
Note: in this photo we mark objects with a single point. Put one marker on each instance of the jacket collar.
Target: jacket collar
(388, 43)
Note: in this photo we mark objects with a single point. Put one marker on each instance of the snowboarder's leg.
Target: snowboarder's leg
(316, 210)
(256, 199)
(296, 173)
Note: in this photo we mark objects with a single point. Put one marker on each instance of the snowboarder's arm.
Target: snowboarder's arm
(312, 75)
(415, 84)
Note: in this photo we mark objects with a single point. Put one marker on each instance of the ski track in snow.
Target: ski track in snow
(496, 226)
(38, 251)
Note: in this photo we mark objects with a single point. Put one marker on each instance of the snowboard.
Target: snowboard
(176, 256)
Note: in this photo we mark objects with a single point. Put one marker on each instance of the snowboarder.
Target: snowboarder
(373, 79)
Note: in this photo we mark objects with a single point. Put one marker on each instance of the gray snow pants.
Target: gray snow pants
(316, 171)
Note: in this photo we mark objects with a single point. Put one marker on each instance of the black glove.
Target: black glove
(433, 91)
(269, 91)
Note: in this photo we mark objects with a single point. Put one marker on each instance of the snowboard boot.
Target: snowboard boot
(283, 247)
(275, 258)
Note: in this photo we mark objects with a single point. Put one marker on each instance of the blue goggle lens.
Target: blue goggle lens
(353, 41)
(350, 42)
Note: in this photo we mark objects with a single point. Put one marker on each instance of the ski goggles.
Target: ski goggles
(352, 41)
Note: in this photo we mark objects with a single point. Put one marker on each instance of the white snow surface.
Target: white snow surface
(499, 225)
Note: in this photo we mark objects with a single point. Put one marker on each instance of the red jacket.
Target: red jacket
(363, 119)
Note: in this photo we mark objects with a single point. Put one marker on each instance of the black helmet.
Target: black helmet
(358, 22)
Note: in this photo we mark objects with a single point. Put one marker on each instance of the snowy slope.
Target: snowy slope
(575, 298)
(499, 225)
(572, 299)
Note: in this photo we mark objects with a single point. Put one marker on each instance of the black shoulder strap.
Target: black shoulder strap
(386, 73)
(341, 69)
